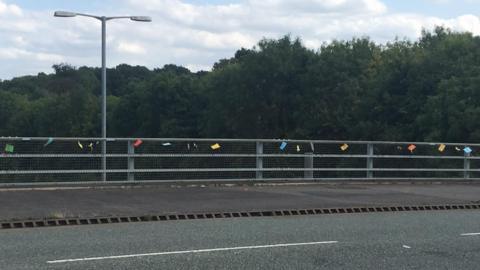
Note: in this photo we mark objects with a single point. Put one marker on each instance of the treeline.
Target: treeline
(424, 90)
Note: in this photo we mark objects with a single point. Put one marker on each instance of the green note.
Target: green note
(9, 148)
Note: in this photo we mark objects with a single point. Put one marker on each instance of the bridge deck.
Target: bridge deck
(94, 202)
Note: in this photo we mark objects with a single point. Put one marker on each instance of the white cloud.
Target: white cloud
(197, 35)
(19, 41)
(133, 48)
(468, 23)
(10, 9)
(15, 53)
(198, 67)
(321, 6)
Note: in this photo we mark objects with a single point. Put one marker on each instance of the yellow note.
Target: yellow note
(442, 147)
(344, 147)
(215, 146)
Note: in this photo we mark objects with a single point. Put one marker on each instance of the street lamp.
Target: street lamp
(104, 20)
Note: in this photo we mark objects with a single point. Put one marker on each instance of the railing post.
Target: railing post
(259, 160)
(131, 162)
(104, 159)
(308, 165)
(466, 166)
(369, 160)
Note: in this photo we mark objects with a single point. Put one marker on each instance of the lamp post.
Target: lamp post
(104, 20)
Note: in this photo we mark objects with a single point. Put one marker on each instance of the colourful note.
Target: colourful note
(442, 147)
(137, 143)
(283, 146)
(344, 147)
(412, 148)
(9, 148)
(49, 141)
(215, 146)
(467, 150)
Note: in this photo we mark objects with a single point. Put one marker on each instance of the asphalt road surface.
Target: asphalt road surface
(394, 240)
(156, 200)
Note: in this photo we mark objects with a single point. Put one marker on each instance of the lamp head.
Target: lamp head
(141, 18)
(64, 14)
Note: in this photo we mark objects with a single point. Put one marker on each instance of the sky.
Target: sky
(197, 33)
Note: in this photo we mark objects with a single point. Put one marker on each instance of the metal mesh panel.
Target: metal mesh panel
(49, 177)
(32, 160)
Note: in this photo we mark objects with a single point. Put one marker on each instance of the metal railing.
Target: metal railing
(76, 160)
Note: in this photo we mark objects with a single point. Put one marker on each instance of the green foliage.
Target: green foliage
(256, 94)
(427, 90)
(166, 105)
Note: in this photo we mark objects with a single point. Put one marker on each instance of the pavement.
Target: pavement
(24, 204)
(388, 240)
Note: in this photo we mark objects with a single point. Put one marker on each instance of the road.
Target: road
(400, 240)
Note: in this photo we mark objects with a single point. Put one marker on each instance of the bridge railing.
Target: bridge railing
(76, 160)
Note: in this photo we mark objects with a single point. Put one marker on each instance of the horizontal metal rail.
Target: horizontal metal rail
(230, 180)
(238, 140)
(180, 170)
(231, 156)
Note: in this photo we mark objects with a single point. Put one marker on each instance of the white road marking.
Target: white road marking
(470, 234)
(405, 246)
(191, 251)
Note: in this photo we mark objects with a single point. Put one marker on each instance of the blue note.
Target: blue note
(50, 140)
(283, 145)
